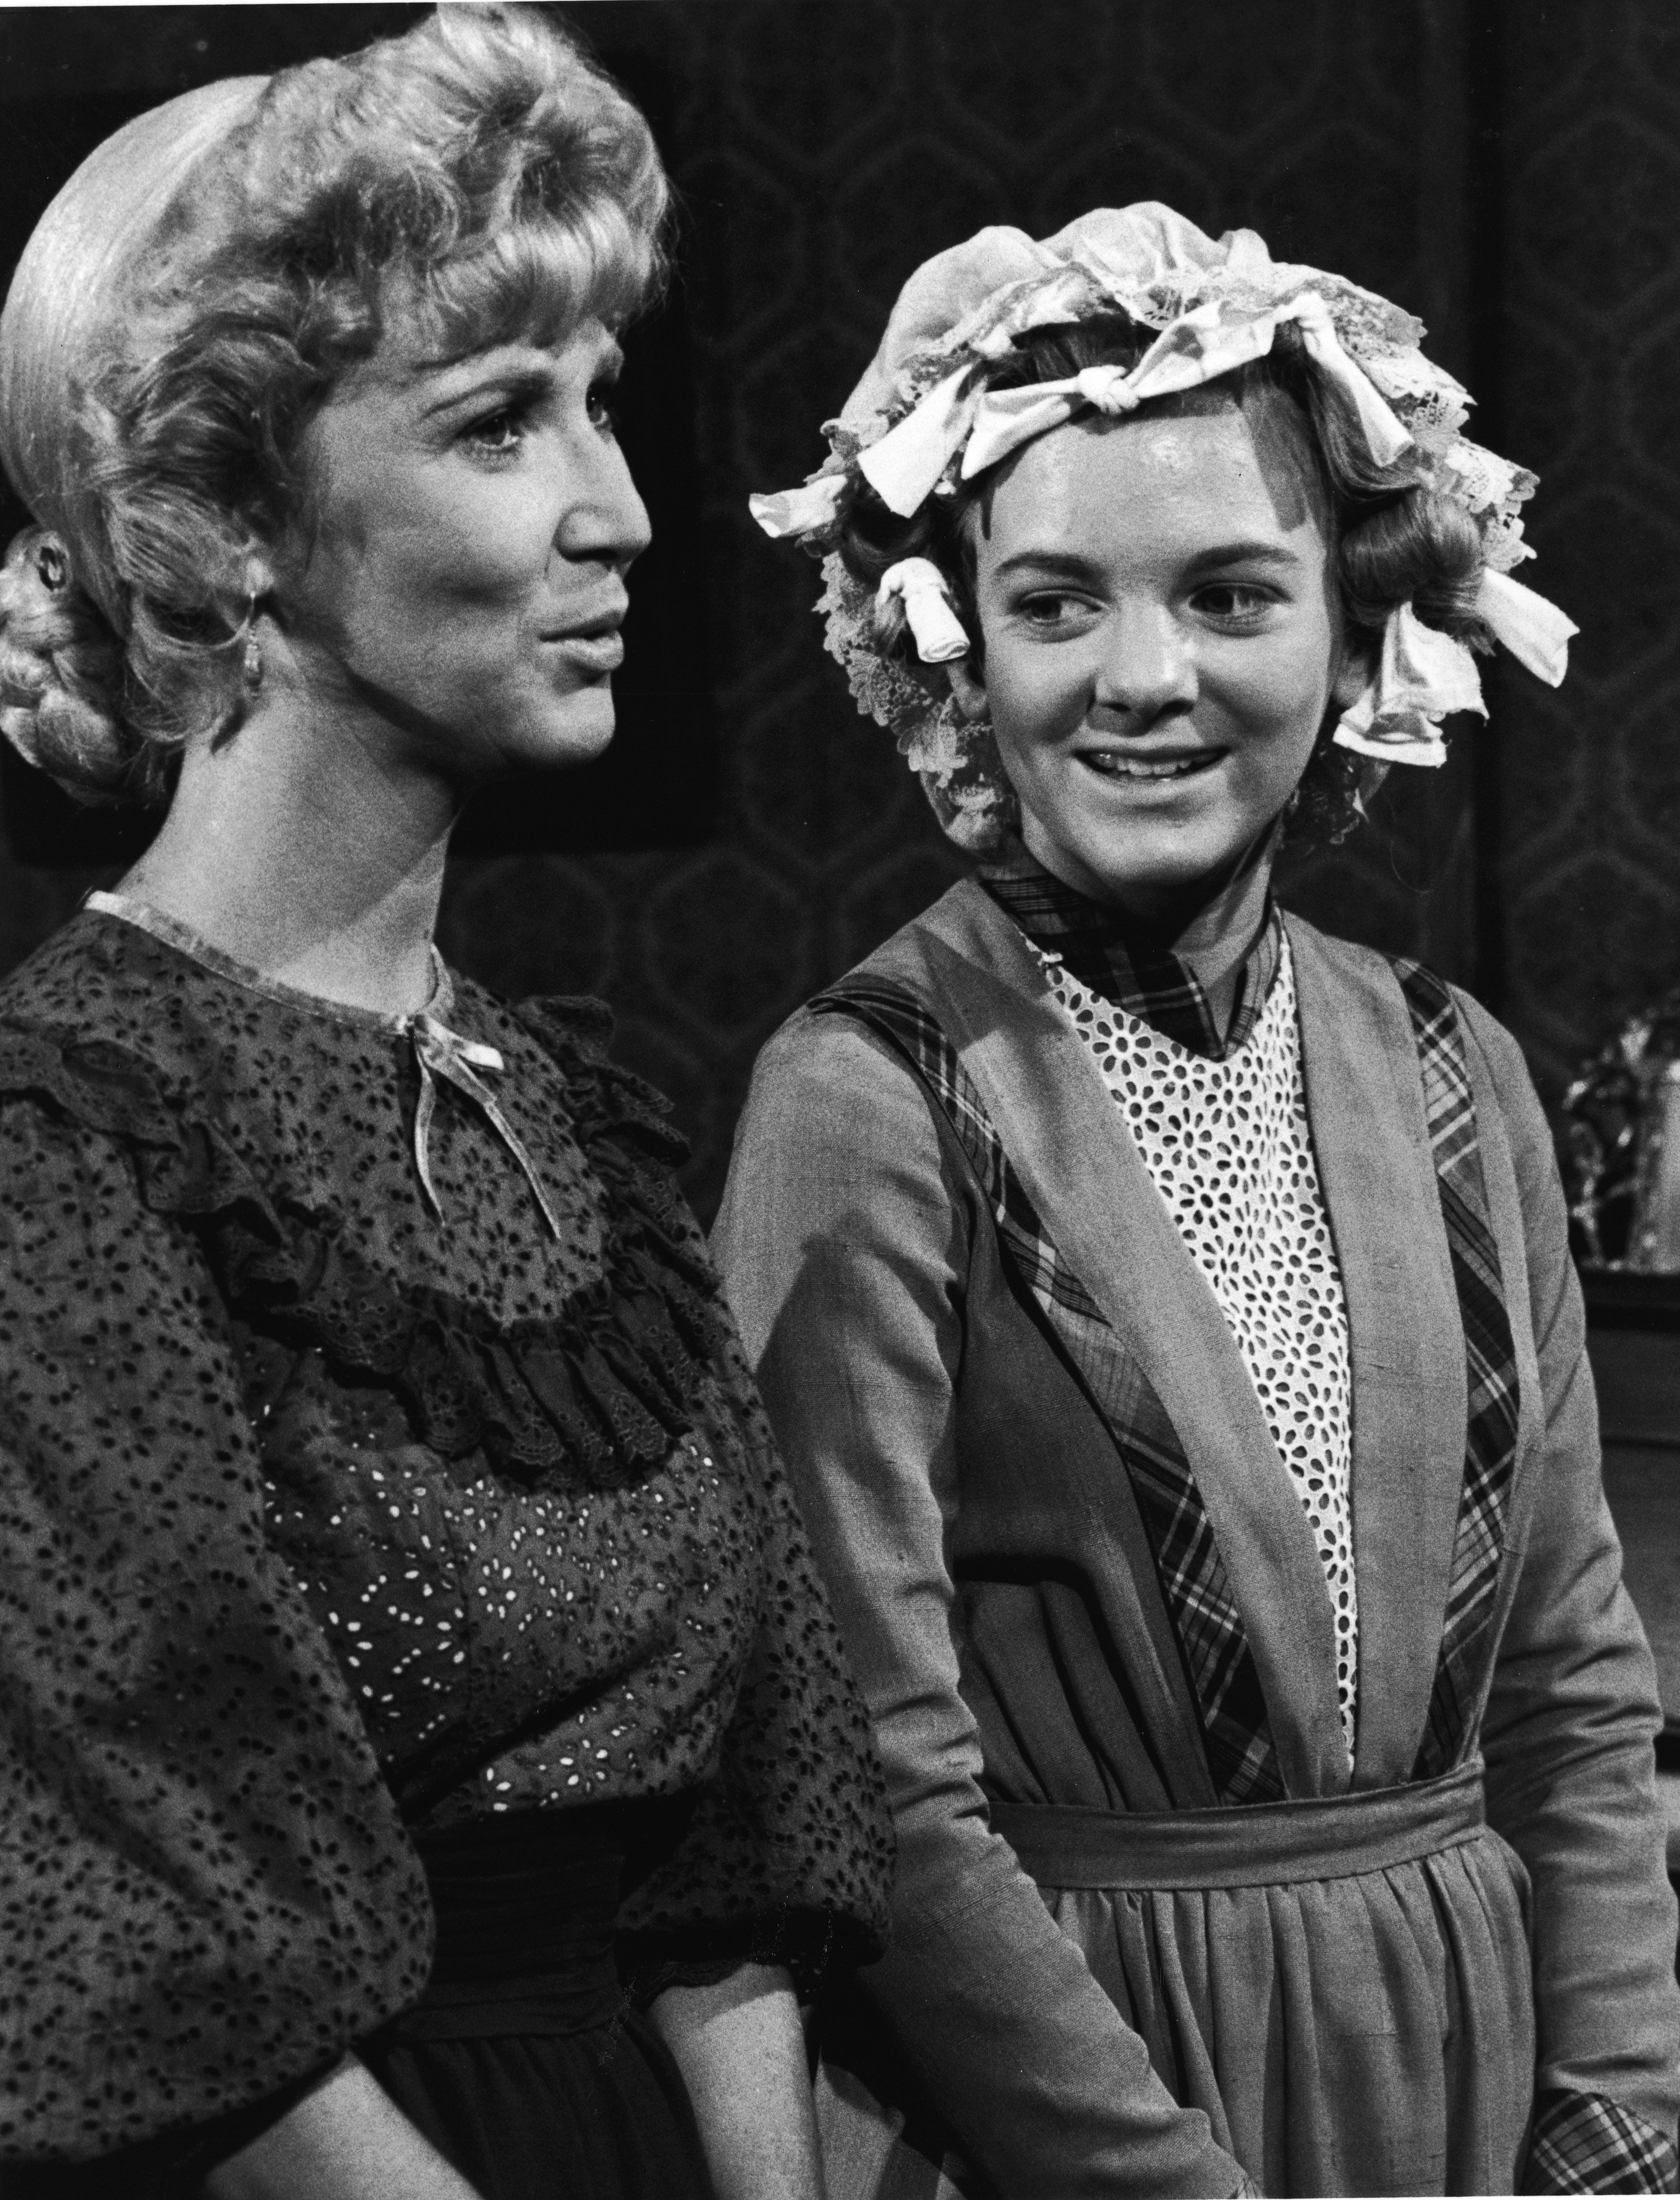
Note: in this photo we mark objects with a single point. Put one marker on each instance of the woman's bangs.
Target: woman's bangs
(539, 280)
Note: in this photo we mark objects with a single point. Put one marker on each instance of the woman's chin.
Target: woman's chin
(583, 745)
(565, 739)
(1148, 860)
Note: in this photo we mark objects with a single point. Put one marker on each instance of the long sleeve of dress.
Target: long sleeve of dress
(1573, 1704)
(788, 1852)
(210, 1894)
(844, 1244)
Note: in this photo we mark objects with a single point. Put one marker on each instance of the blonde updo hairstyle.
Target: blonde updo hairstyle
(1391, 540)
(188, 301)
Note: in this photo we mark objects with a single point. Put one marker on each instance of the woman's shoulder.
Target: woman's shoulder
(127, 1034)
(1339, 976)
(1346, 966)
(830, 1048)
(104, 981)
(130, 1075)
(839, 1105)
(94, 1027)
(574, 1032)
(833, 1076)
(89, 974)
(838, 1038)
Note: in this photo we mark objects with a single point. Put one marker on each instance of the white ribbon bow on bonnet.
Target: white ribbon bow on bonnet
(923, 419)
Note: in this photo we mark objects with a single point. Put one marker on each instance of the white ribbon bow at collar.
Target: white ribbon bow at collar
(909, 461)
(440, 1052)
(1424, 675)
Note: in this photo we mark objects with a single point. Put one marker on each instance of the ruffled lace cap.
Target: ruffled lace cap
(593, 1396)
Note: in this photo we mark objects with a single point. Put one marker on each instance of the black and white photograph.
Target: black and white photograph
(840, 1099)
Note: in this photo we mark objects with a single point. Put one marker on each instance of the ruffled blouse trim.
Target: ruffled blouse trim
(595, 1396)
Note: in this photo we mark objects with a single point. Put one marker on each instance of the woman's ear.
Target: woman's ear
(968, 688)
(258, 576)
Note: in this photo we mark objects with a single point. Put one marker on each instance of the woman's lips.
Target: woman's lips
(1114, 764)
(597, 653)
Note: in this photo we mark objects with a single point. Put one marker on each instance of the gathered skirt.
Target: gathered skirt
(1343, 1986)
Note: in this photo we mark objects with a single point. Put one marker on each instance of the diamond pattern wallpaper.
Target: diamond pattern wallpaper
(1506, 172)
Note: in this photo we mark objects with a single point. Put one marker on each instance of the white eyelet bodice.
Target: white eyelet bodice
(1228, 1146)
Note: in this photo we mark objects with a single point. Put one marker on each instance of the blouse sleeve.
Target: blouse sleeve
(788, 1855)
(207, 1892)
(1573, 1706)
(843, 1241)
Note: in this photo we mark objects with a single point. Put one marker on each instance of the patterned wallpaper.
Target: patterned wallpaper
(1588, 831)
(1505, 171)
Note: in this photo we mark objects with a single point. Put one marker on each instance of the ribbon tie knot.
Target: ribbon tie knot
(1107, 389)
(445, 1054)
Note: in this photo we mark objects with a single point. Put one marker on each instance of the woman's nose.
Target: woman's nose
(1147, 667)
(605, 518)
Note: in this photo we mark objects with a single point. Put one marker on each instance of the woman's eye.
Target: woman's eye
(501, 432)
(1232, 600)
(604, 407)
(1049, 608)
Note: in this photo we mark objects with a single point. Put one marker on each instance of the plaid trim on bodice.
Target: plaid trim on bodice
(1237, 1732)
(1490, 1426)
(1111, 958)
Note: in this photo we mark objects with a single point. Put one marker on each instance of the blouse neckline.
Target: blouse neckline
(182, 936)
(1116, 960)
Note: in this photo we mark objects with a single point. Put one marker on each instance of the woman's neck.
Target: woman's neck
(293, 847)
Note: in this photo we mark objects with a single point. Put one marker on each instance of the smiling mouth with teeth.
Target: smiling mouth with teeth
(1113, 766)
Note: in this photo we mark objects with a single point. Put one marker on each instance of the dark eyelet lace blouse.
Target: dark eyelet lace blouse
(328, 1512)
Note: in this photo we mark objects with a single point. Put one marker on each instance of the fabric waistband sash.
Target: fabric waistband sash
(526, 1906)
(1251, 1845)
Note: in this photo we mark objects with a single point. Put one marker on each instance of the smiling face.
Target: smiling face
(457, 587)
(1161, 645)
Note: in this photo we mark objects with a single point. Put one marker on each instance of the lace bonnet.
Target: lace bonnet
(923, 419)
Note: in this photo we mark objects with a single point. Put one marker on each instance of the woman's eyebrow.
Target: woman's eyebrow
(1066, 565)
(1065, 562)
(1242, 553)
(522, 382)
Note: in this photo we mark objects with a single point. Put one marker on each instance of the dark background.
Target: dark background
(1507, 169)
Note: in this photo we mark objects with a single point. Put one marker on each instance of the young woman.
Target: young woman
(427, 1764)
(1165, 1310)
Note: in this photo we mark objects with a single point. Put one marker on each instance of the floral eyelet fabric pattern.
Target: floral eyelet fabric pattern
(1226, 1144)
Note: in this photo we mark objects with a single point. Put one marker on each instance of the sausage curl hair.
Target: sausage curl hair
(477, 178)
(1391, 540)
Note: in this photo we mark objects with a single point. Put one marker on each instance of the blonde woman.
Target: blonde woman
(427, 1763)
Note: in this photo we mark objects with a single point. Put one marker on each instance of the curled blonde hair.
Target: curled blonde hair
(479, 177)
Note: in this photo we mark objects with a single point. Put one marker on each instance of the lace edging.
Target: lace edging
(596, 1395)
